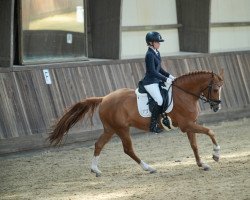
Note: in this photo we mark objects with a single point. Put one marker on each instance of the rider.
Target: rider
(154, 75)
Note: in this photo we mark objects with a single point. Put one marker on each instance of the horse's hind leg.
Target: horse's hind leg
(102, 140)
(128, 149)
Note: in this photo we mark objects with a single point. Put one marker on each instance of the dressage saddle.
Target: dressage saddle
(152, 102)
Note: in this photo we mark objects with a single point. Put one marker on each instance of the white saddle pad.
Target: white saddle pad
(142, 100)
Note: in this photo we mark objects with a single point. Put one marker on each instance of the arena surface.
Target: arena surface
(64, 173)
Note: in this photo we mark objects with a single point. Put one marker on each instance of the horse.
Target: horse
(118, 112)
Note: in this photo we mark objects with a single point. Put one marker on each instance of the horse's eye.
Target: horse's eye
(216, 90)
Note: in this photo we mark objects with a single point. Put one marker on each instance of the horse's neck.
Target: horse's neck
(194, 83)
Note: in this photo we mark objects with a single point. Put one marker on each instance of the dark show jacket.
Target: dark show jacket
(154, 71)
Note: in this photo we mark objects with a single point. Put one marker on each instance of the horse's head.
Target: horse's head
(213, 91)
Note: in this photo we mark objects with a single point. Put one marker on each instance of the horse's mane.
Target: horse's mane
(193, 73)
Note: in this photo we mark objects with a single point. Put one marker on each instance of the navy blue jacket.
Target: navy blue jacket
(154, 71)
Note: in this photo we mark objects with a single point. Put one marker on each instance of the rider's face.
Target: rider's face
(156, 45)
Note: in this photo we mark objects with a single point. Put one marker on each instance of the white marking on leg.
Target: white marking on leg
(216, 148)
(216, 153)
(146, 167)
(94, 166)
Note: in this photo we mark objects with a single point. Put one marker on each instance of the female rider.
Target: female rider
(154, 75)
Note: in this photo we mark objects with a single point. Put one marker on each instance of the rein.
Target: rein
(202, 97)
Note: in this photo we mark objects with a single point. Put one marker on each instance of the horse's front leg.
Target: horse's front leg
(196, 128)
(193, 143)
(216, 148)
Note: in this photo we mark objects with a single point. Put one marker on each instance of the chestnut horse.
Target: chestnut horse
(118, 112)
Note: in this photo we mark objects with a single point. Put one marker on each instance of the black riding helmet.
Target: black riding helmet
(153, 37)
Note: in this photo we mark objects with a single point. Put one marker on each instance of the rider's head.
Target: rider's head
(152, 37)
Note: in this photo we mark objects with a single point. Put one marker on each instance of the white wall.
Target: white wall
(230, 38)
(163, 12)
(230, 11)
(134, 44)
(148, 13)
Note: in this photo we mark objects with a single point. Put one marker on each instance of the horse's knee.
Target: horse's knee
(127, 151)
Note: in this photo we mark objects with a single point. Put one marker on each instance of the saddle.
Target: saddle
(145, 101)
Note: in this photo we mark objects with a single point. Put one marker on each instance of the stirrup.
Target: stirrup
(156, 129)
(166, 121)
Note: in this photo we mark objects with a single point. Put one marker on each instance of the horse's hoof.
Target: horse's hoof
(97, 172)
(205, 167)
(153, 171)
(216, 158)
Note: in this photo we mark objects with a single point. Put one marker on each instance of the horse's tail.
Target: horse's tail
(72, 116)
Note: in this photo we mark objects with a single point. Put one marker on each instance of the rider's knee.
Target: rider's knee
(159, 101)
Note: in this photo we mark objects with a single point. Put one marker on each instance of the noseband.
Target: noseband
(212, 102)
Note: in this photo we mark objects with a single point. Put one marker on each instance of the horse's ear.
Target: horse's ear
(222, 73)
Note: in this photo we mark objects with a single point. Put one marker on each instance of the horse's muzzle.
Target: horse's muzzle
(215, 105)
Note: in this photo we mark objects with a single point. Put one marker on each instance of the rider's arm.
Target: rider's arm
(150, 65)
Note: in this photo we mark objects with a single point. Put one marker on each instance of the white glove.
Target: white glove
(172, 77)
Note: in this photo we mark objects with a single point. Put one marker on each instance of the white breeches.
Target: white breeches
(154, 91)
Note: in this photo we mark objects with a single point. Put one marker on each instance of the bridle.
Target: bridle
(212, 102)
(208, 99)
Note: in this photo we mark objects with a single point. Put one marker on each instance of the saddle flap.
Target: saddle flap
(141, 88)
(143, 98)
(142, 103)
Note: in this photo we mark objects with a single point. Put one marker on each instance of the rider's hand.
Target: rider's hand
(172, 77)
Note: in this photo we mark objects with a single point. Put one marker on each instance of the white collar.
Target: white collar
(156, 52)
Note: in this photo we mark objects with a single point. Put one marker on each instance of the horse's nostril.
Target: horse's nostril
(216, 109)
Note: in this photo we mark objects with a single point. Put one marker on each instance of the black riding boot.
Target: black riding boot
(154, 126)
